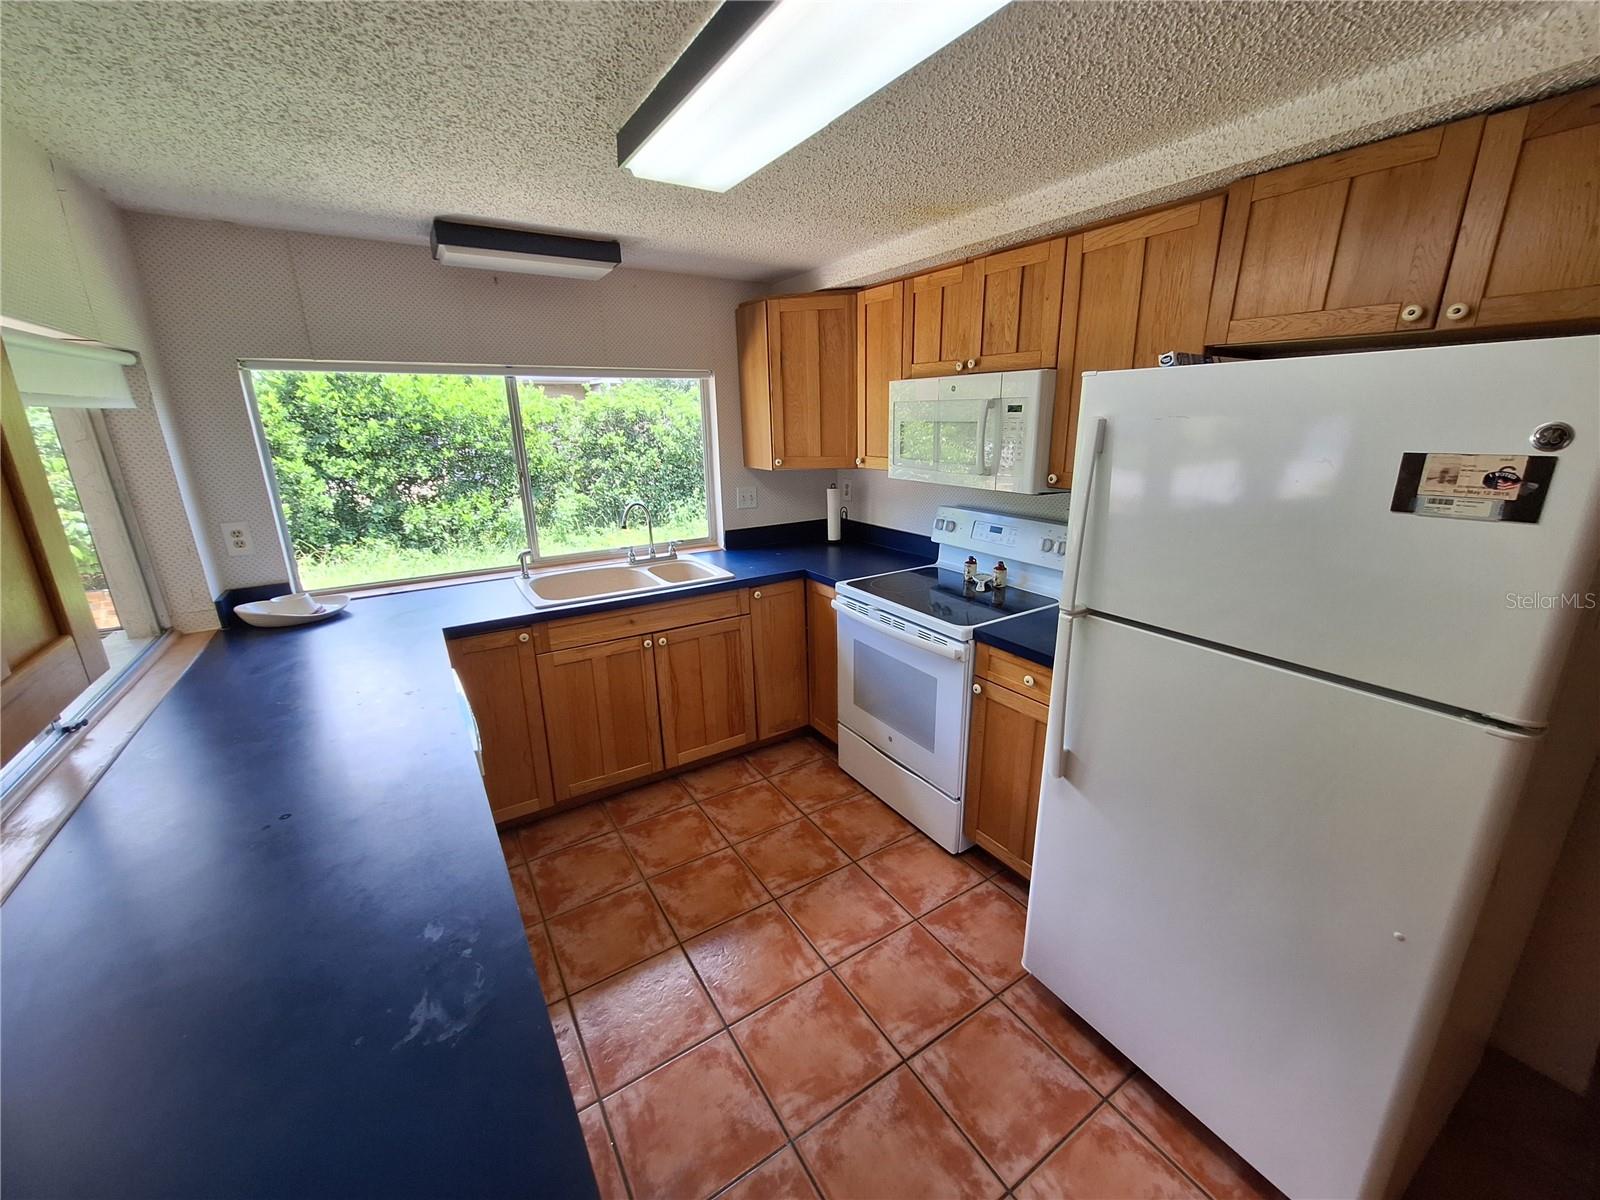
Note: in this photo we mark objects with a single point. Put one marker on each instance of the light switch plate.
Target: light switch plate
(237, 536)
(744, 497)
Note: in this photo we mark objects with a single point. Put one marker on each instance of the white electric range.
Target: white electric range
(906, 650)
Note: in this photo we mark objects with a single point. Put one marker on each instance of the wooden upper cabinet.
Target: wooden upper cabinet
(937, 331)
(1354, 243)
(1132, 291)
(879, 347)
(797, 358)
(1017, 304)
(601, 714)
(1529, 247)
(499, 673)
(705, 686)
(778, 635)
(998, 313)
(51, 649)
(822, 646)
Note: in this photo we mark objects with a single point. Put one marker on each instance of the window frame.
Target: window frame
(510, 375)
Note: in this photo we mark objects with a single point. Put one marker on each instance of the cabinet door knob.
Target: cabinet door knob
(777, 462)
(756, 594)
(859, 461)
(1458, 311)
(958, 366)
(648, 643)
(977, 689)
(522, 637)
(971, 362)
(1051, 478)
(662, 640)
(1028, 679)
(1412, 313)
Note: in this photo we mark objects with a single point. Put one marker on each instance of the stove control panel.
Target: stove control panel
(1019, 541)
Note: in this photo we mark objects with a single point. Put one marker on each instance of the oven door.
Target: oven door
(903, 689)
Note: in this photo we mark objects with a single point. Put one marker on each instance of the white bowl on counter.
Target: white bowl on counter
(297, 608)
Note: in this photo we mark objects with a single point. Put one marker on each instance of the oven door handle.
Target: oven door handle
(956, 652)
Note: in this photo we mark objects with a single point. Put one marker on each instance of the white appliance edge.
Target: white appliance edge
(1187, 899)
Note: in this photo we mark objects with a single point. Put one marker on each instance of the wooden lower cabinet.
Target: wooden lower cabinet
(823, 650)
(500, 676)
(782, 670)
(602, 717)
(1005, 759)
(706, 690)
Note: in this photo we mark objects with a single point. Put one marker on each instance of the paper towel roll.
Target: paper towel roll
(835, 513)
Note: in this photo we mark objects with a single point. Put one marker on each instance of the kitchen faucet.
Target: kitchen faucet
(650, 532)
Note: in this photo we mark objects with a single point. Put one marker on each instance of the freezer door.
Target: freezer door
(1248, 504)
(1259, 886)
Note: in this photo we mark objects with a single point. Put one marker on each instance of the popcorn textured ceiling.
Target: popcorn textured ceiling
(369, 119)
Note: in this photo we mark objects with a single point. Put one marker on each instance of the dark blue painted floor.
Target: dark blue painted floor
(276, 951)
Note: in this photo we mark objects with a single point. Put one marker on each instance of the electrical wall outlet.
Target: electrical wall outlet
(744, 497)
(237, 536)
(844, 489)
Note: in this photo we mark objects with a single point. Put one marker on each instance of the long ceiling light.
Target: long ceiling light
(764, 75)
(494, 248)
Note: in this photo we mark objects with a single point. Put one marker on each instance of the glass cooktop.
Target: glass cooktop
(943, 595)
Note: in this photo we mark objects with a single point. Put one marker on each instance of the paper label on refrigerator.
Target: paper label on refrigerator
(1474, 487)
(1474, 476)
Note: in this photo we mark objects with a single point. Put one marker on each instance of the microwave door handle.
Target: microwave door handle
(983, 437)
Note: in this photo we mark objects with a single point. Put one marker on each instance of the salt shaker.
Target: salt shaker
(969, 570)
(999, 574)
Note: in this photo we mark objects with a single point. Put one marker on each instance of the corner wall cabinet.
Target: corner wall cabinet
(797, 390)
(1133, 290)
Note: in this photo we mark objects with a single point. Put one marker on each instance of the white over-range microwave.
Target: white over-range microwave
(989, 431)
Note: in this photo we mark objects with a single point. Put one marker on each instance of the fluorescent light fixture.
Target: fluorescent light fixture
(492, 248)
(764, 75)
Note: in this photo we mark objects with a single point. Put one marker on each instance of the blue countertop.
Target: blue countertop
(276, 951)
(1032, 637)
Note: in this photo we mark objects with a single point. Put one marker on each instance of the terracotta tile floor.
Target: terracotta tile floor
(780, 989)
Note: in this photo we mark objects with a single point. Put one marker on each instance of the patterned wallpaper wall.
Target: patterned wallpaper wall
(219, 292)
(67, 266)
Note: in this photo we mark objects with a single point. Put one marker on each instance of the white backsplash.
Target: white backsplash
(904, 504)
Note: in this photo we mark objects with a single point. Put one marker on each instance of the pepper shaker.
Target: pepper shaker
(969, 570)
(999, 574)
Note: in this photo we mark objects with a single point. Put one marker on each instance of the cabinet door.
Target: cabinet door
(706, 686)
(1529, 248)
(1133, 290)
(755, 392)
(1005, 759)
(879, 311)
(811, 356)
(778, 631)
(823, 648)
(600, 714)
(1017, 298)
(1351, 243)
(938, 334)
(500, 675)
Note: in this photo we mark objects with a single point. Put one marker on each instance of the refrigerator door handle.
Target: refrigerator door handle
(1057, 723)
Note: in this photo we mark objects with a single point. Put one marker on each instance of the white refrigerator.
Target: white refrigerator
(1314, 616)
